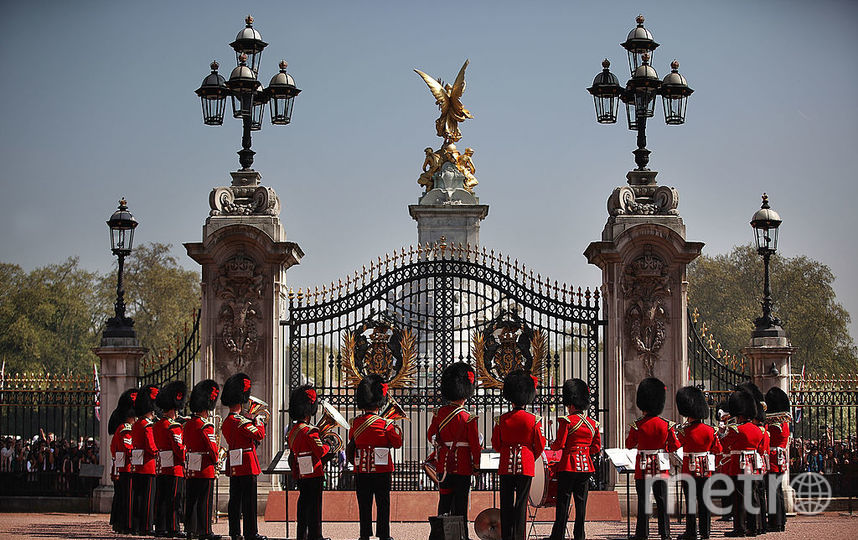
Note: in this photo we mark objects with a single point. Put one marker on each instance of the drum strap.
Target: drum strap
(578, 425)
(303, 429)
(449, 418)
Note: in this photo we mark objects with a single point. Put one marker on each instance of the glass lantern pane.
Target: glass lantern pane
(674, 110)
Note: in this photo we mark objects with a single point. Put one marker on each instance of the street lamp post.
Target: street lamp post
(122, 225)
(246, 92)
(641, 91)
(765, 223)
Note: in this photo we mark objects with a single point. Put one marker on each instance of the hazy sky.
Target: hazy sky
(98, 104)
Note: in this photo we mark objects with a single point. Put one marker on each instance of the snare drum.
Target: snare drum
(543, 488)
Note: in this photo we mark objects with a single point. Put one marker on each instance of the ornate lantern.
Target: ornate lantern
(122, 225)
(281, 92)
(674, 93)
(638, 43)
(249, 42)
(243, 88)
(606, 91)
(213, 94)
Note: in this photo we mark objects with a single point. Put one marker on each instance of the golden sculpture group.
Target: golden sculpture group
(448, 98)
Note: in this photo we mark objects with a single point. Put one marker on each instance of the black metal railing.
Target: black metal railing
(710, 368)
(182, 366)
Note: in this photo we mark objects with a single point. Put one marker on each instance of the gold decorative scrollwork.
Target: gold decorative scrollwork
(386, 351)
(506, 344)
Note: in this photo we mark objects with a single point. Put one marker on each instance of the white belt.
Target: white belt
(694, 455)
(457, 444)
(745, 452)
(650, 452)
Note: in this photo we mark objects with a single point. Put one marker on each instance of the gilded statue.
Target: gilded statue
(466, 165)
(431, 165)
(448, 99)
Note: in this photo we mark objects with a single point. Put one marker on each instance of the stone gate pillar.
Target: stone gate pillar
(643, 255)
(244, 257)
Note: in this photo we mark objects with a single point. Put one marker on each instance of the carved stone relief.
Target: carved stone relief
(239, 288)
(646, 288)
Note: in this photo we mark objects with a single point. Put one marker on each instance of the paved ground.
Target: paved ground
(828, 526)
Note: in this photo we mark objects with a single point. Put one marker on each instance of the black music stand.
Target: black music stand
(280, 465)
(624, 468)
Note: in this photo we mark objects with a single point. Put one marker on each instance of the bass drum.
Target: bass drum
(543, 488)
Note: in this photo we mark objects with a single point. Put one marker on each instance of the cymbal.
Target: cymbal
(487, 524)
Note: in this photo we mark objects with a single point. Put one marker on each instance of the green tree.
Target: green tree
(49, 318)
(727, 289)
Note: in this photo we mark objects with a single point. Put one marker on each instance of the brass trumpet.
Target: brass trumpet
(393, 411)
(259, 409)
(331, 419)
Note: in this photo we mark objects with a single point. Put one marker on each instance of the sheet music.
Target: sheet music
(490, 461)
(622, 458)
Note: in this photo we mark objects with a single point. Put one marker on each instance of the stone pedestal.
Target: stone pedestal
(457, 223)
(120, 359)
(643, 256)
(244, 257)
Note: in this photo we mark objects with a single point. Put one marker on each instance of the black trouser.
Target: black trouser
(514, 490)
(700, 519)
(777, 520)
(758, 520)
(167, 514)
(143, 504)
(740, 514)
(367, 486)
(120, 511)
(659, 492)
(569, 485)
(198, 506)
(453, 495)
(242, 503)
(309, 511)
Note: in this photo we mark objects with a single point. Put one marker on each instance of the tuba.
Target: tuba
(331, 419)
(393, 411)
(259, 409)
(220, 466)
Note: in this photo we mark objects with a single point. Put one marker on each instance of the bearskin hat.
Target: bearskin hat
(371, 392)
(116, 419)
(172, 396)
(576, 393)
(303, 402)
(204, 396)
(519, 387)
(759, 400)
(236, 390)
(458, 381)
(145, 400)
(691, 403)
(742, 403)
(777, 400)
(651, 396)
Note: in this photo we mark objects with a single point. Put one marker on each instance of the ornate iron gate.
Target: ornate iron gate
(435, 305)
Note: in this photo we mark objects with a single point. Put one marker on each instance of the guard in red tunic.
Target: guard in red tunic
(757, 517)
(456, 438)
(201, 447)
(308, 453)
(777, 420)
(701, 447)
(143, 457)
(242, 436)
(742, 441)
(517, 435)
(119, 425)
(578, 436)
(654, 437)
(171, 458)
(373, 438)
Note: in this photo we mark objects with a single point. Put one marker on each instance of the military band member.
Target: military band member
(517, 436)
(653, 436)
(579, 438)
(456, 437)
(143, 456)
(777, 419)
(171, 458)
(201, 446)
(120, 422)
(307, 458)
(701, 447)
(373, 438)
(742, 441)
(757, 517)
(242, 436)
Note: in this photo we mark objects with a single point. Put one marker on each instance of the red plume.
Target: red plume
(133, 396)
(311, 394)
(179, 396)
(535, 381)
(214, 394)
(153, 393)
(246, 385)
(471, 377)
(384, 389)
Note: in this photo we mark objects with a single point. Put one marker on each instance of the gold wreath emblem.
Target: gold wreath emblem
(538, 345)
(403, 378)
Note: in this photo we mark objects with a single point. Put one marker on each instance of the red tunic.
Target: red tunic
(698, 442)
(374, 442)
(168, 438)
(651, 434)
(308, 449)
(778, 443)
(763, 451)
(578, 436)
(741, 443)
(458, 441)
(517, 435)
(199, 438)
(143, 439)
(121, 444)
(242, 433)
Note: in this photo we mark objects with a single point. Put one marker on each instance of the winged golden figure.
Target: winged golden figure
(448, 98)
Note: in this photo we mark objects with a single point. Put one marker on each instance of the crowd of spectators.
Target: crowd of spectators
(837, 460)
(45, 462)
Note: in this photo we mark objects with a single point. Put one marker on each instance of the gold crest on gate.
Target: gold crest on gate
(380, 347)
(506, 344)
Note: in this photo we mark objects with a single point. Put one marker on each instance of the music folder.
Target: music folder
(279, 464)
(622, 458)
